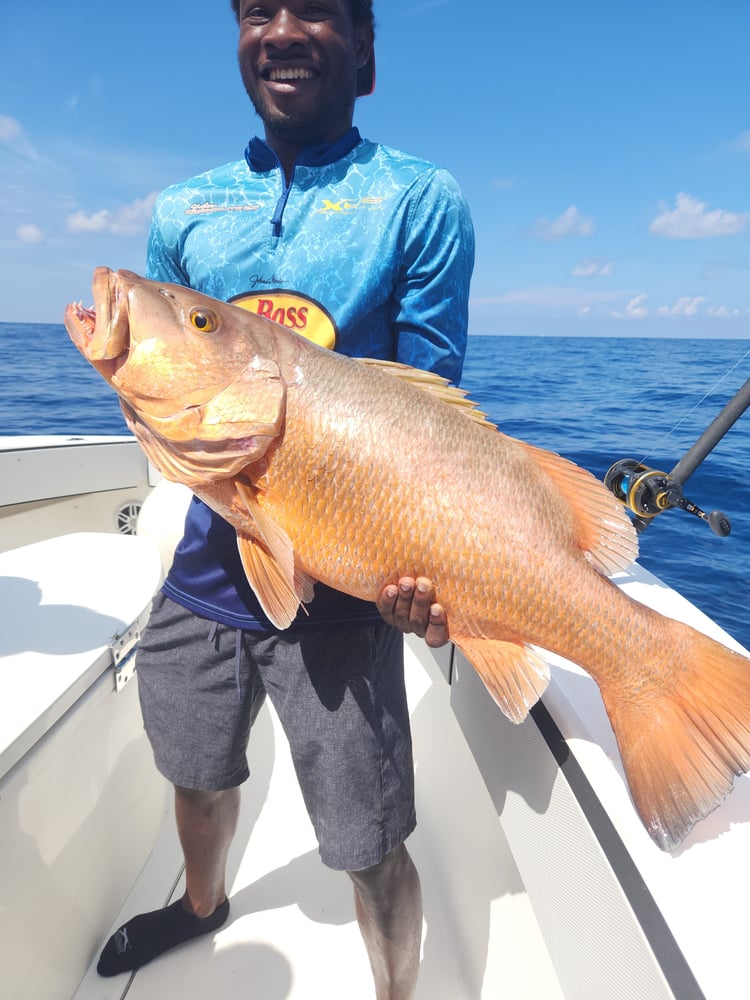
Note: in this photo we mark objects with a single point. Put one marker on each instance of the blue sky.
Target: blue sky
(604, 147)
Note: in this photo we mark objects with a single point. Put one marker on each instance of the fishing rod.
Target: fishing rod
(647, 492)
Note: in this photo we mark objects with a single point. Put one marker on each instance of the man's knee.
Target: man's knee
(197, 805)
(380, 879)
(198, 796)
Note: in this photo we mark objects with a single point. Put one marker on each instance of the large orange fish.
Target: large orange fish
(358, 473)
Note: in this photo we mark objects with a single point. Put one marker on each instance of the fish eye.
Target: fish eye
(203, 320)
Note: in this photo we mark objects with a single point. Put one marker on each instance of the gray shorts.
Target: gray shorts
(339, 695)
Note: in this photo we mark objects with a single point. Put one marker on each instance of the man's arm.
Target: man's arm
(432, 322)
(432, 292)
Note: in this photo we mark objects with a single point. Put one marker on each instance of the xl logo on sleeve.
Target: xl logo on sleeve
(297, 312)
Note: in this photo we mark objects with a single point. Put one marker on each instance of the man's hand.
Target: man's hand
(411, 607)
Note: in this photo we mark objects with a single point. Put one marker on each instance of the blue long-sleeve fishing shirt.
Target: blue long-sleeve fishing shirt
(367, 251)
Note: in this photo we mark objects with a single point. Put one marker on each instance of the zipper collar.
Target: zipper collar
(261, 158)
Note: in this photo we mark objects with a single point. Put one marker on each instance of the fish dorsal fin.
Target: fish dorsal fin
(515, 675)
(436, 385)
(268, 562)
(603, 529)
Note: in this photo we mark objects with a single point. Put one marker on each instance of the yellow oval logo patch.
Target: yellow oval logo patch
(296, 312)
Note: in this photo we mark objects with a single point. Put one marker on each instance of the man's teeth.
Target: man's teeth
(278, 75)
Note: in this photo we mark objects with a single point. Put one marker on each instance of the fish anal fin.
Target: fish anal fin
(603, 529)
(436, 385)
(682, 745)
(515, 675)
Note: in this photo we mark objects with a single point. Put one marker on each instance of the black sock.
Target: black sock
(148, 935)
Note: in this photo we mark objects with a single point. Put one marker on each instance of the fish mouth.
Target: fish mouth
(102, 333)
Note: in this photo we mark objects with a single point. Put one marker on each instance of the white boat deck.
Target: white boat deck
(292, 932)
(539, 880)
(702, 888)
(621, 918)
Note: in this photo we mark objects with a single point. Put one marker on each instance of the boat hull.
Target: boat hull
(81, 803)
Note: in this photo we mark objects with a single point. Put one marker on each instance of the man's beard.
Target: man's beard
(309, 128)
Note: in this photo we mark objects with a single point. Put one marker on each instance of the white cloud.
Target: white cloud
(685, 306)
(570, 223)
(129, 220)
(13, 136)
(591, 268)
(635, 309)
(10, 129)
(691, 220)
(30, 234)
(742, 142)
(502, 183)
(80, 222)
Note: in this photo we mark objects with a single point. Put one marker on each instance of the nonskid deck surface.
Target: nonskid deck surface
(292, 932)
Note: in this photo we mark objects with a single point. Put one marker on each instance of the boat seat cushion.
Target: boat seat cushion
(64, 601)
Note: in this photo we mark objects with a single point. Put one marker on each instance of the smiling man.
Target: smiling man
(303, 86)
(367, 251)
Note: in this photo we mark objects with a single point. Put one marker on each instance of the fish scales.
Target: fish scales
(362, 454)
(357, 473)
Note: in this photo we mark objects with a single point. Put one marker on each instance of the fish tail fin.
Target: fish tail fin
(682, 745)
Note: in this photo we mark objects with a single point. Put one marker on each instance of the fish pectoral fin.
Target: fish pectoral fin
(603, 529)
(253, 405)
(269, 582)
(269, 565)
(515, 675)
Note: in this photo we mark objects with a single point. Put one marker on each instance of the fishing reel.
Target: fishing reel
(647, 492)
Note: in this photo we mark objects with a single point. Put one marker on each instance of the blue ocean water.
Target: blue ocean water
(597, 400)
(46, 386)
(593, 400)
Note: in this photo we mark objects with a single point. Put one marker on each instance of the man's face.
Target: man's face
(299, 61)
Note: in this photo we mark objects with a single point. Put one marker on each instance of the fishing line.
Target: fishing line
(700, 402)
